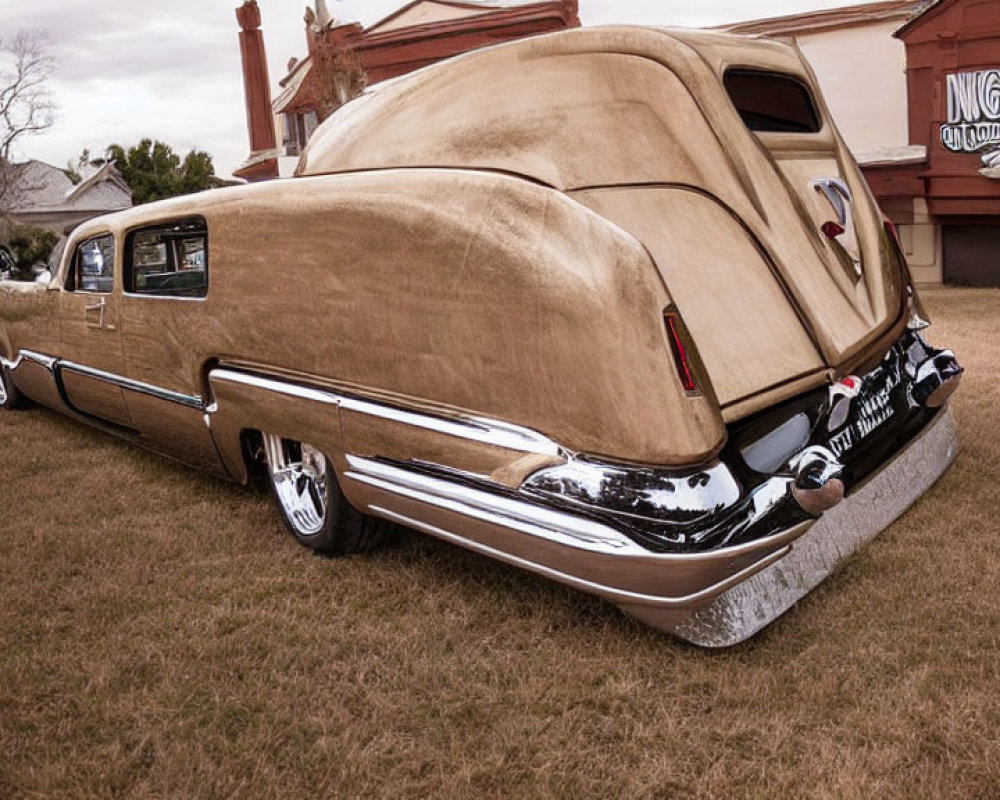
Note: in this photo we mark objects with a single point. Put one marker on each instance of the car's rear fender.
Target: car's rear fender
(481, 294)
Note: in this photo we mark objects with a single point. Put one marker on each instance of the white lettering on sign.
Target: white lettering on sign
(973, 111)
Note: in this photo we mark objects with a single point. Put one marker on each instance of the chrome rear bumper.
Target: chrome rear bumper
(566, 547)
(714, 598)
(739, 612)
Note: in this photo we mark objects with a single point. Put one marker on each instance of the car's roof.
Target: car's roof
(558, 109)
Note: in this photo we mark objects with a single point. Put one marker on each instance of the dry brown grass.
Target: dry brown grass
(161, 636)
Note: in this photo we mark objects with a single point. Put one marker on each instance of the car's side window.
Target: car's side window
(94, 265)
(168, 260)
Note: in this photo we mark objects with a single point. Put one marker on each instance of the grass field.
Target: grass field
(162, 636)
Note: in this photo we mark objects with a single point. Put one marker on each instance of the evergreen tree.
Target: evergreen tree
(154, 171)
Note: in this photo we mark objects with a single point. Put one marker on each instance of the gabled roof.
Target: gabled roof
(929, 10)
(421, 32)
(291, 84)
(812, 21)
(423, 12)
(45, 188)
(976, 18)
(107, 173)
(39, 185)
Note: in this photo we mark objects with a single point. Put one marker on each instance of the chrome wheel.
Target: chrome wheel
(10, 397)
(298, 475)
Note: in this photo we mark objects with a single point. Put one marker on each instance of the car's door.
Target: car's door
(164, 322)
(90, 352)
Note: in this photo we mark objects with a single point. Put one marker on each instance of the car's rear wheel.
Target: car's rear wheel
(311, 503)
(10, 397)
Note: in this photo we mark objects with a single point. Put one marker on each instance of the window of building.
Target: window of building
(772, 103)
(94, 265)
(7, 262)
(168, 260)
(298, 129)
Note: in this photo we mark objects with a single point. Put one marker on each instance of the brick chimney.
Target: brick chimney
(262, 163)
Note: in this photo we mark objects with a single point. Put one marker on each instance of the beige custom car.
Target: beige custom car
(614, 305)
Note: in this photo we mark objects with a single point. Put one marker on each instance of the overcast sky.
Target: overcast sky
(170, 70)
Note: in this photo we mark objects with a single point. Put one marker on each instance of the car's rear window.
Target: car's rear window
(772, 103)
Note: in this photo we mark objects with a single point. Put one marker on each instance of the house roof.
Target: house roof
(40, 185)
(45, 188)
(409, 28)
(98, 182)
(830, 18)
(920, 17)
(423, 12)
(291, 84)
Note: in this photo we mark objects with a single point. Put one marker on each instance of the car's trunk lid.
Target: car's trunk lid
(794, 281)
(803, 197)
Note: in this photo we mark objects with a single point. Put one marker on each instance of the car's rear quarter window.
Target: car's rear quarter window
(770, 102)
(168, 259)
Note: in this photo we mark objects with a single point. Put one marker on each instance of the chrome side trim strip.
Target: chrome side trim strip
(46, 361)
(609, 592)
(28, 355)
(476, 429)
(50, 363)
(271, 385)
(191, 401)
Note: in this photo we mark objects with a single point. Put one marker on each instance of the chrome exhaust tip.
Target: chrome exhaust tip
(940, 396)
(936, 379)
(817, 486)
(816, 501)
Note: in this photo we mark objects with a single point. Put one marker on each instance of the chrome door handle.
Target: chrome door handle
(98, 306)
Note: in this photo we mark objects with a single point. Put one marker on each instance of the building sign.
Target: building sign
(973, 111)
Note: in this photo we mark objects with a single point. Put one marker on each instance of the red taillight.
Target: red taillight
(680, 355)
(832, 230)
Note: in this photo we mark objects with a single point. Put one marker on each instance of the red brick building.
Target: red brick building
(342, 57)
(953, 88)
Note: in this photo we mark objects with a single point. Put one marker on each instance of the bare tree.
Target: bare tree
(25, 104)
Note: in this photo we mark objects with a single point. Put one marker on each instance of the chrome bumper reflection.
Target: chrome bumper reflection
(534, 520)
(566, 547)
